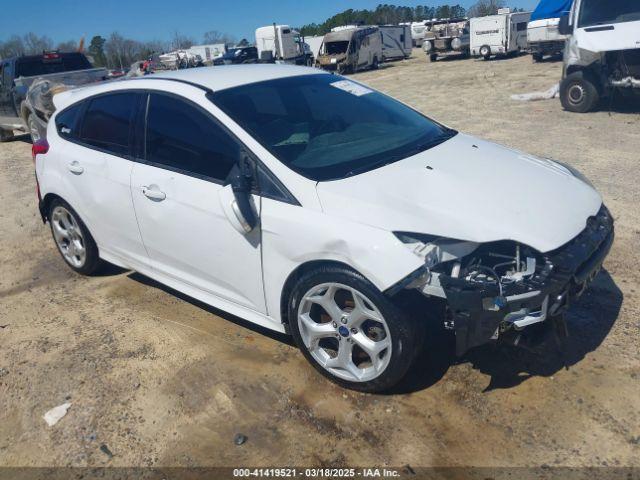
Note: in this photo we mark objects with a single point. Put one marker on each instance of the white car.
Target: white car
(310, 204)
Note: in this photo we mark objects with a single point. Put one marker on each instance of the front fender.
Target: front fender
(293, 236)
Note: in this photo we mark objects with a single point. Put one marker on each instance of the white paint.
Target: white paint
(476, 191)
(499, 32)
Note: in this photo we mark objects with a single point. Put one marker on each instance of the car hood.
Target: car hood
(468, 189)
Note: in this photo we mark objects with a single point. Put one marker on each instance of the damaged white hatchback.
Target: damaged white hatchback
(310, 204)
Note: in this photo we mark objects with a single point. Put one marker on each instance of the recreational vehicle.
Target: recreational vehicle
(447, 38)
(500, 34)
(208, 53)
(351, 50)
(602, 54)
(396, 42)
(281, 43)
(543, 35)
(418, 29)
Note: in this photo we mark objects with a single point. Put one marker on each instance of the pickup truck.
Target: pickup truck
(18, 111)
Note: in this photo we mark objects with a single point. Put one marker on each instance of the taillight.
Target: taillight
(40, 147)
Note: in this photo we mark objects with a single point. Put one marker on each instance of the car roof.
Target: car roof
(209, 78)
(229, 76)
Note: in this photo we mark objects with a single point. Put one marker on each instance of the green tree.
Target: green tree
(486, 7)
(96, 50)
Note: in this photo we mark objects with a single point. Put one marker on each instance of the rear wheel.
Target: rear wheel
(433, 57)
(578, 93)
(351, 332)
(485, 52)
(74, 242)
(537, 57)
(375, 64)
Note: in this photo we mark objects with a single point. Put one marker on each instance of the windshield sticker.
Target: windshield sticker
(352, 88)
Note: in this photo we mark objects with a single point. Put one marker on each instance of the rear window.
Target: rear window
(107, 122)
(67, 62)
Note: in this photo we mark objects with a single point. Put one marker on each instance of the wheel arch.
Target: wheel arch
(297, 273)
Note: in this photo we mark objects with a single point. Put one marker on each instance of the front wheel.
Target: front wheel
(578, 93)
(485, 52)
(350, 331)
(375, 64)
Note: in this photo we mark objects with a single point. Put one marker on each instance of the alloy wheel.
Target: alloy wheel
(68, 236)
(344, 332)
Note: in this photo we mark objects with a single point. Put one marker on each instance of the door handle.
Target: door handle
(75, 167)
(152, 192)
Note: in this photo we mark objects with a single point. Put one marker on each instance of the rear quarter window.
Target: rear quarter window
(68, 120)
(107, 122)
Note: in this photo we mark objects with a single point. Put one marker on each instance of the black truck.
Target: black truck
(18, 74)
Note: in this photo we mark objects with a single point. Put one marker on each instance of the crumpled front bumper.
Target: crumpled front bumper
(479, 311)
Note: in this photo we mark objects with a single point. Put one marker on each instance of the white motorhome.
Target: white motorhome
(418, 29)
(500, 34)
(396, 42)
(281, 43)
(208, 53)
(602, 52)
(543, 35)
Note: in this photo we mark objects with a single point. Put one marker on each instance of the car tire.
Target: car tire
(334, 339)
(485, 52)
(578, 93)
(538, 57)
(73, 239)
(375, 65)
(6, 135)
(432, 57)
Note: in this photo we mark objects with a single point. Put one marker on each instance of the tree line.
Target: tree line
(385, 14)
(117, 51)
(114, 51)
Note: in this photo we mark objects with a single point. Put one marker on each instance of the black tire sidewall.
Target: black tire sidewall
(592, 96)
(405, 335)
(92, 261)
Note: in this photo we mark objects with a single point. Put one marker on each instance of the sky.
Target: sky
(63, 20)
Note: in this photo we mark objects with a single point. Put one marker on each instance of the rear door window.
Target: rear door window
(183, 138)
(107, 122)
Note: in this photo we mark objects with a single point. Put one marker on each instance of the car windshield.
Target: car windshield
(604, 12)
(32, 66)
(326, 127)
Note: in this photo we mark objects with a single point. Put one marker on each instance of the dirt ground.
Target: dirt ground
(162, 380)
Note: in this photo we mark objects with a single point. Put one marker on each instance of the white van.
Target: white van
(500, 34)
(351, 50)
(602, 53)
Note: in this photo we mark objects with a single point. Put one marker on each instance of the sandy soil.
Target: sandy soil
(162, 380)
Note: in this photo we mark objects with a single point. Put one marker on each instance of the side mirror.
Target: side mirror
(563, 27)
(241, 186)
